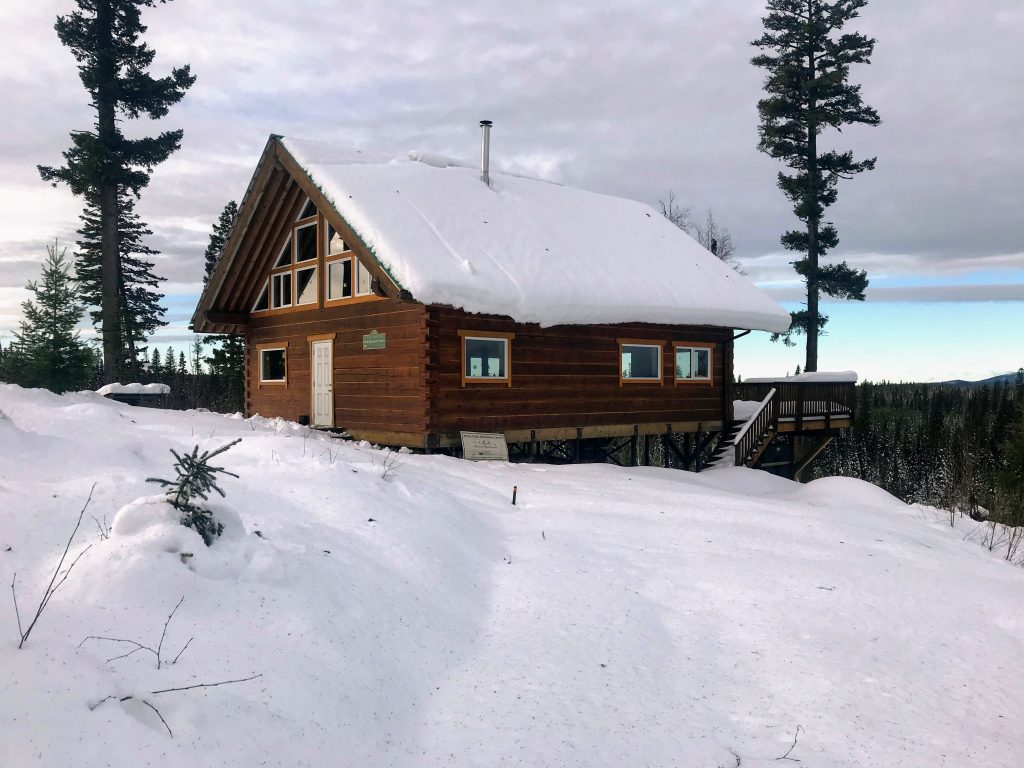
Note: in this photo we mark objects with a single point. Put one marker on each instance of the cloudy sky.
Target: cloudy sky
(626, 98)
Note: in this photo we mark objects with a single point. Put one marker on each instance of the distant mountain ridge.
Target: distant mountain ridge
(1003, 378)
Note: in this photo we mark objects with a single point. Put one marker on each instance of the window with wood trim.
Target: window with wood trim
(347, 278)
(693, 363)
(273, 364)
(640, 361)
(263, 300)
(486, 357)
(293, 277)
(305, 286)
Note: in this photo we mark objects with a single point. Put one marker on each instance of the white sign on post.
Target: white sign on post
(484, 446)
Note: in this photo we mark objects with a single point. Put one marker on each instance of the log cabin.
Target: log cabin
(407, 300)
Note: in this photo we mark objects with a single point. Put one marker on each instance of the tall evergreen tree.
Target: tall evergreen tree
(140, 311)
(218, 237)
(807, 56)
(155, 364)
(113, 62)
(227, 358)
(49, 350)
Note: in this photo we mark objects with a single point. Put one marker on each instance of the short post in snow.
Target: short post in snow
(515, 489)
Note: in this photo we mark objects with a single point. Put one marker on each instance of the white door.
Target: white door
(323, 380)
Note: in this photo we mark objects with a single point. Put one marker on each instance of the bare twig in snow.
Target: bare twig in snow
(169, 733)
(206, 685)
(163, 634)
(175, 660)
(55, 582)
(139, 646)
(786, 756)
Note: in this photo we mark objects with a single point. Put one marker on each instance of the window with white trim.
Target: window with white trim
(273, 365)
(363, 278)
(485, 358)
(263, 300)
(693, 363)
(281, 290)
(640, 362)
(305, 286)
(339, 279)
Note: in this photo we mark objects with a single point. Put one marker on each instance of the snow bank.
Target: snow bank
(134, 389)
(613, 617)
(836, 377)
(533, 250)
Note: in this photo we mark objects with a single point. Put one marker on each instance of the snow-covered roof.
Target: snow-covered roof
(530, 249)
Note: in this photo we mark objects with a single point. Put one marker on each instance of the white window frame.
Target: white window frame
(264, 289)
(658, 346)
(327, 241)
(351, 282)
(295, 243)
(291, 289)
(357, 268)
(286, 248)
(302, 210)
(316, 287)
(506, 339)
(692, 349)
(283, 350)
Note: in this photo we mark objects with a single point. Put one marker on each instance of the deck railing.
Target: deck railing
(800, 400)
(764, 421)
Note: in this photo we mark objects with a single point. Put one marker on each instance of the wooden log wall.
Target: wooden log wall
(568, 376)
(375, 391)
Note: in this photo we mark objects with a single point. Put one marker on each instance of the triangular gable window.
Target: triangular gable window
(307, 210)
(263, 302)
(335, 243)
(285, 258)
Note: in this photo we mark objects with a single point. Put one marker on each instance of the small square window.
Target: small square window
(485, 358)
(273, 365)
(693, 364)
(363, 279)
(339, 279)
(305, 242)
(640, 362)
(281, 290)
(305, 286)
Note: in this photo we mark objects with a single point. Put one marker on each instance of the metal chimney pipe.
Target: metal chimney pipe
(485, 152)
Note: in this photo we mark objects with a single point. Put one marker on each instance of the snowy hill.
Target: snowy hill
(613, 617)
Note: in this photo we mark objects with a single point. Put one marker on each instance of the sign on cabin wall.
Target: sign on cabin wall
(375, 340)
(484, 446)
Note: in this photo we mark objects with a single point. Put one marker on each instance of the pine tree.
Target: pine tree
(807, 56)
(182, 365)
(139, 301)
(113, 63)
(169, 363)
(219, 237)
(227, 358)
(49, 351)
(155, 366)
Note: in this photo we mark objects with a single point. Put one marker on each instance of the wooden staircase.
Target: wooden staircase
(744, 442)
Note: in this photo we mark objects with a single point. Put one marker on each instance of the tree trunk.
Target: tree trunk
(110, 311)
(811, 363)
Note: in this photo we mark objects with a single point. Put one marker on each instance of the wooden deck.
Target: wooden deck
(800, 418)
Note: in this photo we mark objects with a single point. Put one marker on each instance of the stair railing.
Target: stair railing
(764, 421)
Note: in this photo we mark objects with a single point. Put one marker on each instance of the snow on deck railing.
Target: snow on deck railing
(818, 377)
(746, 427)
(134, 389)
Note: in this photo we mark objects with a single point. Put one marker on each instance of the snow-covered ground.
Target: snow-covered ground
(613, 617)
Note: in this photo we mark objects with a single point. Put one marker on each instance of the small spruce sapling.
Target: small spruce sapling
(196, 478)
